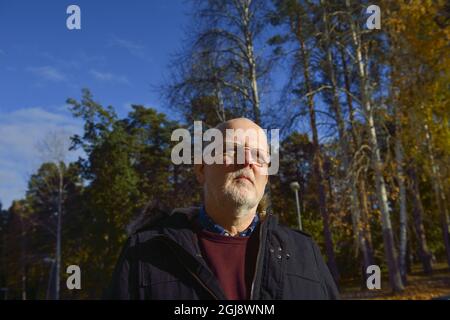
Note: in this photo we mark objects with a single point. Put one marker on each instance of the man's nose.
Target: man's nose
(248, 159)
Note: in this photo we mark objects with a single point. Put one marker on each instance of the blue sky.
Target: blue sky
(121, 52)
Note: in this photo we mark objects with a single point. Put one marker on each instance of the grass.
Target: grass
(419, 286)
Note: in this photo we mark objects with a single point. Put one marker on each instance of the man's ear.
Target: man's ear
(199, 170)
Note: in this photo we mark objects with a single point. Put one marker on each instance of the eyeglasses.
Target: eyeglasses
(234, 153)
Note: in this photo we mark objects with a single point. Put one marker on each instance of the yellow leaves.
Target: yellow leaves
(419, 287)
(421, 71)
(413, 23)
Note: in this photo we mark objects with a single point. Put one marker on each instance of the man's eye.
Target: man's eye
(262, 157)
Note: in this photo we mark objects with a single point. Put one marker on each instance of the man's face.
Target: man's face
(239, 181)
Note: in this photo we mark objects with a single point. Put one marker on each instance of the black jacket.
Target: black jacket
(162, 260)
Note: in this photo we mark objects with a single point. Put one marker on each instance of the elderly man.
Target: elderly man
(224, 249)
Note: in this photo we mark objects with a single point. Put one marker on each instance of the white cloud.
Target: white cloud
(133, 48)
(48, 73)
(126, 108)
(76, 60)
(109, 77)
(20, 133)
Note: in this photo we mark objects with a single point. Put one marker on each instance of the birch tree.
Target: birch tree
(225, 57)
(329, 43)
(377, 163)
(294, 16)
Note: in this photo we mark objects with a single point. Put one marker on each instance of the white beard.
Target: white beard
(241, 193)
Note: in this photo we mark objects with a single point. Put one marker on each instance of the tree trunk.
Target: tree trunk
(418, 213)
(318, 160)
(357, 183)
(439, 194)
(360, 241)
(402, 189)
(365, 219)
(250, 55)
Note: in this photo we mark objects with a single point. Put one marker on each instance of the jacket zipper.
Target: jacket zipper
(252, 290)
(164, 239)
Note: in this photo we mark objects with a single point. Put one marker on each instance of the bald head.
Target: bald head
(237, 123)
(245, 132)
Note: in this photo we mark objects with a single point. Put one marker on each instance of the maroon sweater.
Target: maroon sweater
(232, 260)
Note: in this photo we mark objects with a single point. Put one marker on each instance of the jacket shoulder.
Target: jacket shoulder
(302, 233)
(294, 232)
(152, 222)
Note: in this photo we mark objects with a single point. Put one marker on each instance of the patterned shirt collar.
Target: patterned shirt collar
(207, 223)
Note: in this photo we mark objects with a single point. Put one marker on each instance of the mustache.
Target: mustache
(246, 173)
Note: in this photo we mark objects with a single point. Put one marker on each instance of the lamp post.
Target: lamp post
(51, 276)
(295, 187)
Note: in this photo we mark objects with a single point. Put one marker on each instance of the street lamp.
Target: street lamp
(51, 275)
(295, 187)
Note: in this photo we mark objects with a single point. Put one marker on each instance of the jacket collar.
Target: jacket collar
(208, 224)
